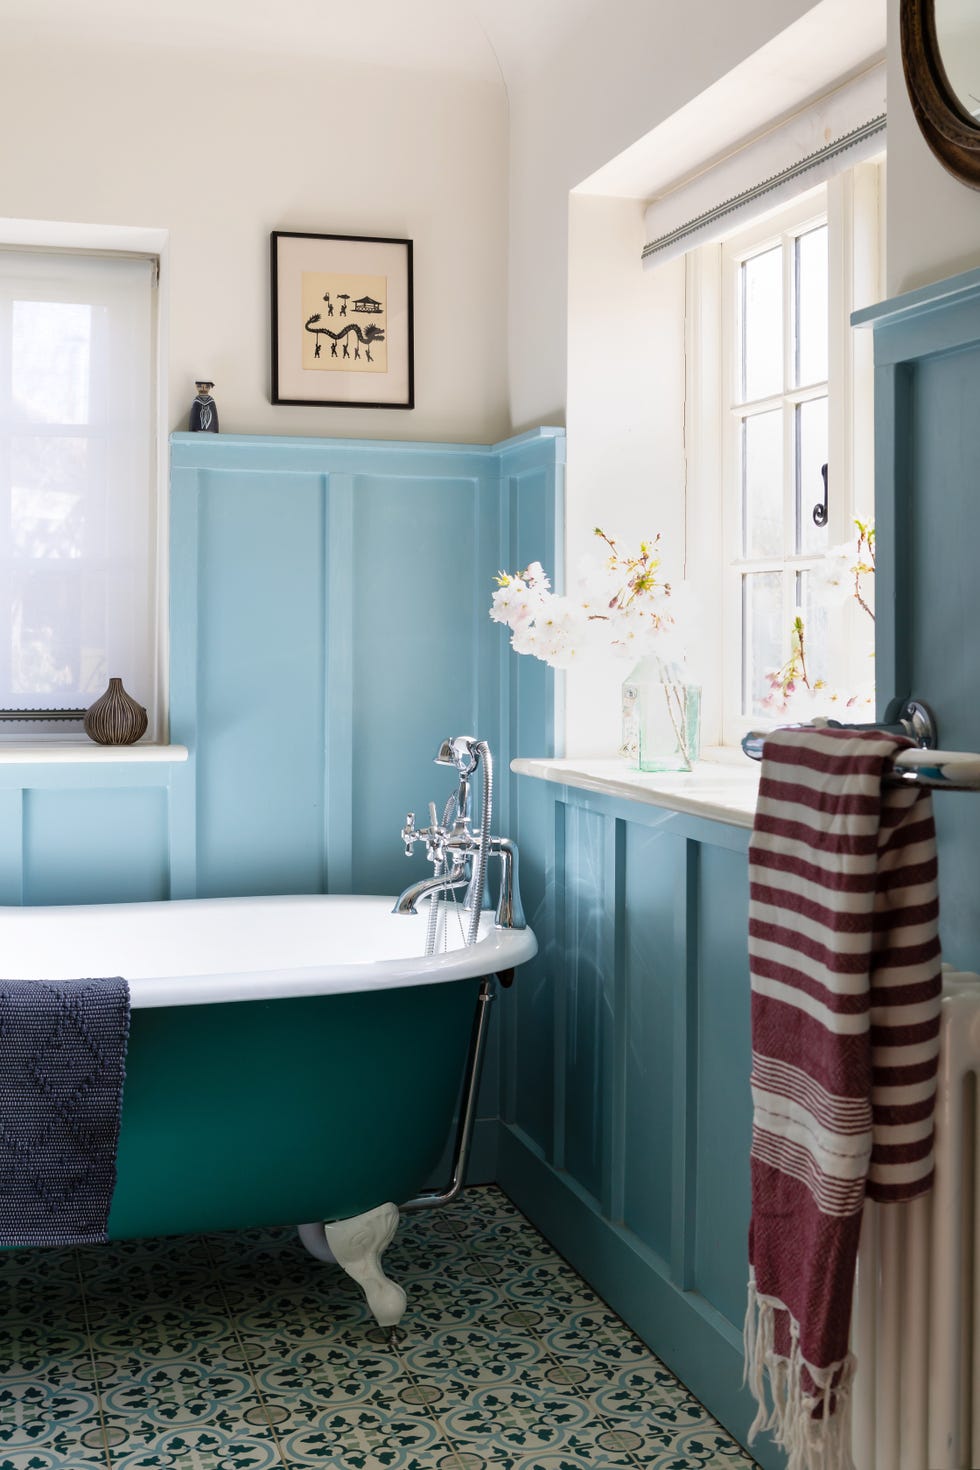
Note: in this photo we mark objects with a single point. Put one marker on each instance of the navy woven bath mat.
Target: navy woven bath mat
(62, 1066)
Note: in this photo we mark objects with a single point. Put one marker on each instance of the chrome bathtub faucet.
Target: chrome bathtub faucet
(458, 854)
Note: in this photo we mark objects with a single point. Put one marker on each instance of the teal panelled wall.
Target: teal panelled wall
(96, 833)
(626, 1114)
(330, 628)
(927, 449)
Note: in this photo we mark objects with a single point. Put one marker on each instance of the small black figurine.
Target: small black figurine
(204, 410)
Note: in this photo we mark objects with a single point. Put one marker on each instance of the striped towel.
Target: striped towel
(844, 950)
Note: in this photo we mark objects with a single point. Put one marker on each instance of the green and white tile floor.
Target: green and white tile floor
(241, 1352)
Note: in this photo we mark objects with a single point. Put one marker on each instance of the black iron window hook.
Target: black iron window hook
(820, 510)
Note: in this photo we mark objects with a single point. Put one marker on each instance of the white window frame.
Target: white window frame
(852, 203)
(154, 243)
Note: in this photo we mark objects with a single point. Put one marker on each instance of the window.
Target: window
(77, 471)
(781, 427)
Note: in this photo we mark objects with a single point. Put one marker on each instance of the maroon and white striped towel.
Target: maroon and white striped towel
(844, 952)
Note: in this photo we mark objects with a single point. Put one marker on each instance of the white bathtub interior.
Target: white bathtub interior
(198, 951)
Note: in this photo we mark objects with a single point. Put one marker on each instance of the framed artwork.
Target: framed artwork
(342, 321)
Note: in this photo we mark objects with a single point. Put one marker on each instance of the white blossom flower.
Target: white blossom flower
(616, 607)
(536, 577)
(832, 578)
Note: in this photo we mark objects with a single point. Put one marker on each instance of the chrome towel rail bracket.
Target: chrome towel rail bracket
(950, 770)
(909, 717)
(915, 719)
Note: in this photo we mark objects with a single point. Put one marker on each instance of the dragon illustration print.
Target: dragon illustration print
(331, 343)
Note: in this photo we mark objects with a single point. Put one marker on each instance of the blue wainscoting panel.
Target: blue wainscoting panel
(589, 1001)
(721, 1102)
(260, 691)
(95, 846)
(417, 673)
(531, 529)
(11, 845)
(641, 1175)
(330, 628)
(927, 447)
(655, 863)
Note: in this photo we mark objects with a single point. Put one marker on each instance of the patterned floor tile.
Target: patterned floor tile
(476, 1353)
(42, 1349)
(304, 1319)
(332, 1374)
(158, 1333)
(548, 1286)
(513, 1423)
(36, 1281)
(242, 1352)
(699, 1451)
(433, 1307)
(199, 1449)
(177, 1394)
(36, 1411)
(364, 1438)
(66, 1454)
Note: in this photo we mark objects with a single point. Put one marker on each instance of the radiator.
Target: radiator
(916, 1330)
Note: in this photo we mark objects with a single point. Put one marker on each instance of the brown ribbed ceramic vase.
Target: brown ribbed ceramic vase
(115, 718)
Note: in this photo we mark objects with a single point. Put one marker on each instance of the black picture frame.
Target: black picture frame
(318, 283)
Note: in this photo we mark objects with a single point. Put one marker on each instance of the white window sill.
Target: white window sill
(719, 789)
(69, 752)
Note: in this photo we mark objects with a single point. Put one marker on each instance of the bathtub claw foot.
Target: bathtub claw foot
(357, 1245)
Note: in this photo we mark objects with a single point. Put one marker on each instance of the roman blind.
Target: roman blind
(834, 132)
(77, 508)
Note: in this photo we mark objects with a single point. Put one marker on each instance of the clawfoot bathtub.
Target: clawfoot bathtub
(290, 1059)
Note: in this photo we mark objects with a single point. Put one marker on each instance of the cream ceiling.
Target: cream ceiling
(489, 40)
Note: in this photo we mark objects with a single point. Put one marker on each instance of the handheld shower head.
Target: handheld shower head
(463, 752)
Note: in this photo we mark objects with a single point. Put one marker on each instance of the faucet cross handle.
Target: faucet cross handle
(410, 834)
(435, 837)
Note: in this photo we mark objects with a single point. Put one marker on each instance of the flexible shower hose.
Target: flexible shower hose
(478, 881)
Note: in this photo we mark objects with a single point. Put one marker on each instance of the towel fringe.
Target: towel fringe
(813, 1429)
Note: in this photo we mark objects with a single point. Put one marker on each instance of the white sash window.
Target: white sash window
(77, 477)
(780, 393)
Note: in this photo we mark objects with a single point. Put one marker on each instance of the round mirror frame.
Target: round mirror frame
(947, 127)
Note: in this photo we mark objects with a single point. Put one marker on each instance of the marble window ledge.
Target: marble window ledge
(715, 789)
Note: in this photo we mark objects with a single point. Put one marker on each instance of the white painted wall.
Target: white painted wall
(219, 149)
(625, 421)
(629, 65)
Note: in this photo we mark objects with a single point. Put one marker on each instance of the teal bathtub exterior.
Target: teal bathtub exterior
(279, 1111)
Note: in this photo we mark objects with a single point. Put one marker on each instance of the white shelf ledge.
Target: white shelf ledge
(720, 792)
(69, 752)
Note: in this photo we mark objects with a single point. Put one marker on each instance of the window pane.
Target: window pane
(762, 324)
(76, 497)
(50, 361)
(811, 307)
(49, 486)
(811, 456)
(58, 640)
(762, 636)
(816, 628)
(762, 484)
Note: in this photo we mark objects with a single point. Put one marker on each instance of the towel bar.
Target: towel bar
(949, 770)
